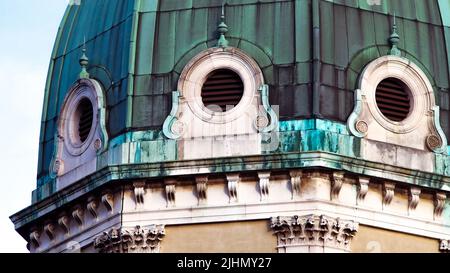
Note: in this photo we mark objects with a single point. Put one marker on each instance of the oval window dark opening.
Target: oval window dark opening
(223, 89)
(393, 99)
(86, 116)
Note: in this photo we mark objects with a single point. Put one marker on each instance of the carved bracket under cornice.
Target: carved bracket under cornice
(388, 193)
(139, 193)
(439, 203)
(233, 184)
(363, 189)
(202, 189)
(296, 183)
(137, 240)
(170, 192)
(323, 233)
(264, 185)
(336, 184)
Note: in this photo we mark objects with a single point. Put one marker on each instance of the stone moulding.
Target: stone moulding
(314, 230)
(134, 240)
(67, 154)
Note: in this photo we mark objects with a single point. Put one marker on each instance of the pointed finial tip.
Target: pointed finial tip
(222, 29)
(84, 61)
(394, 39)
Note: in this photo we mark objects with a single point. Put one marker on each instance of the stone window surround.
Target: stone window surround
(412, 76)
(86, 89)
(197, 70)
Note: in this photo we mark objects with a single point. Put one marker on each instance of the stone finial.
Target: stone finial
(84, 62)
(222, 29)
(394, 39)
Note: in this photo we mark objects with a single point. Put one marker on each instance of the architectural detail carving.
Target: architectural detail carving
(388, 193)
(171, 127)
(92, 207)
(439, 202)
(444, 246)
(35, 238)
(296, 182)
(98, 144)
(49, 229)
(414, 198)
(362, 126)
(70, 152)
(77, 215)
(363, 188)
(433, 142)
(139, 192)
(336, 184)
(64, 223)
(136, 240)
(202, 188)
(170, 195)
(262, 122)
(233, 184)
(264, 184)
(108, 201)
(314, 231)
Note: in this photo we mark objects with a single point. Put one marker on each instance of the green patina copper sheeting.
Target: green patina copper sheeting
(137, 49)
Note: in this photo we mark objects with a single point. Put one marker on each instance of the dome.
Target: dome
(311, 54)
(175, 118)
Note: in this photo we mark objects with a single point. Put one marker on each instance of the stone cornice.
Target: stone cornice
(114, 174)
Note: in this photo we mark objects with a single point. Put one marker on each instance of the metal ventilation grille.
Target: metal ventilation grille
(223, 87)
(86, 117)
(393, 99)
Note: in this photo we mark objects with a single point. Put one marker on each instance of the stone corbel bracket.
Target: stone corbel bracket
(169, 130)
(170, 188)
(50, 230)
(414, 198)
(363, 188)
(388, 193)
(139, 193)
(202, 189)
(101, 140)
(296, 183)
(35, 238)
(78, 216)
(336, 184)
(233, 187)
(439, 203)
(272, 125)
(64, 223)
(264, 185)
(92, 207)
(108, 201)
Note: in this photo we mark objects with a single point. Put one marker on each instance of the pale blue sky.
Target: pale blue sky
(27, 33)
